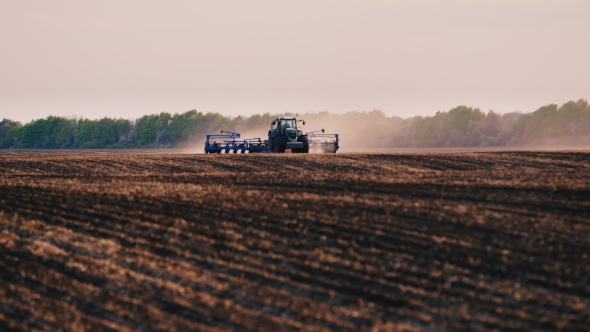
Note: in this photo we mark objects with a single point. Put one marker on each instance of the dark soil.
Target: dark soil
(115, 241)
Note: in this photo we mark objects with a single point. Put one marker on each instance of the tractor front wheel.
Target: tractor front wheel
(280, 144)
(303, 139)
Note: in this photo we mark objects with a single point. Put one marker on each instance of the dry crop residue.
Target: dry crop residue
(95, 241)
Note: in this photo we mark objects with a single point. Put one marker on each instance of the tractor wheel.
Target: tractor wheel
(303, 139)
(280, 144)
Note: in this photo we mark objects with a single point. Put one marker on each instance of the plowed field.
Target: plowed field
(117, 241)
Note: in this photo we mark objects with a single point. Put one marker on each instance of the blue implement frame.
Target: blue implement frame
(231, 142)
(329, 144)
(257, 145)
(228, 142)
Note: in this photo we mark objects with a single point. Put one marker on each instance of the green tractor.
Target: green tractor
(284, 134)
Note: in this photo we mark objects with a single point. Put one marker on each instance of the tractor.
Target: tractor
(284, 134)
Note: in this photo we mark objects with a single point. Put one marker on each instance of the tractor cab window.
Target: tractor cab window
(288, 123)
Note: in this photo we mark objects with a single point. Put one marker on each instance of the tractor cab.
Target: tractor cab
(288, 128)
(284, 134)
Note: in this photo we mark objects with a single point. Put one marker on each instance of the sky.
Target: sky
(129, 58)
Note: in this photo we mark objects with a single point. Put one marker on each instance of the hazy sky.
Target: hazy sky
(128, 58)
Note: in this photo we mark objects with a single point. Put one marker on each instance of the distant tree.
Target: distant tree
(180, 126)
(116, 132)
(538, 124)
(65, 133)
(11, 133)
(568, 120)
(147, 129)
(491, 124)
(39, 134)
(5, 126)
(259, 120)
(87, 134)
(549, 122)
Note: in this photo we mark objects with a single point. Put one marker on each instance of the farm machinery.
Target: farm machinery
(321, 142)
(284, 134)
(227, 141)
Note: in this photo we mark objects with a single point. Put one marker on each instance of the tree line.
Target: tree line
(461, 126)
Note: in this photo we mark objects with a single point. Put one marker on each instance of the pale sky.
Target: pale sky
(128, 58)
